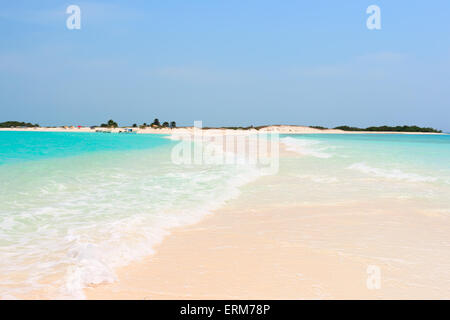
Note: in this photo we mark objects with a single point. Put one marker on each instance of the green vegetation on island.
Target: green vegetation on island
(157, 124)
(391, 129)
(17, 124)
(109, 124)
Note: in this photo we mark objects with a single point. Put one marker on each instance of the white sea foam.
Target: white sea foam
(95, 264)
(308, 147)
(394, 174)
(98, 214)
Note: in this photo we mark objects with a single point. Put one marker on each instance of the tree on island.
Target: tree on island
(173, 124)
(109, 124)
(165, 124)
(156, 123)
(134, 125)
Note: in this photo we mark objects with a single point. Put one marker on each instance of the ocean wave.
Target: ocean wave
(134, 238)
(394, 174)
(108, 214)
(306, 147)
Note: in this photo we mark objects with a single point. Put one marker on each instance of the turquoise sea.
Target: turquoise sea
(74, 206)
(415, 158)
(372, 165)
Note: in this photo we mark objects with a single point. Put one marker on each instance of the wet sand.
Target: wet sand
(315, 251)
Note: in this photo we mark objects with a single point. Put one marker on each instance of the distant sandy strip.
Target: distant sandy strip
(282, 129)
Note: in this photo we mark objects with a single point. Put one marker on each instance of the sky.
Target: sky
(226, 62)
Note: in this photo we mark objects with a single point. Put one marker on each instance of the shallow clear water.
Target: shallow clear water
(373, 165)
(76, 205)
(374, 200)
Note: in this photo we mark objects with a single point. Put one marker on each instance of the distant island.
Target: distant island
(391, 129)
(348, 128)
(12, 124)
(111, 124)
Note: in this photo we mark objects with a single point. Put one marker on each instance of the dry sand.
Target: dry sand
(238, 255)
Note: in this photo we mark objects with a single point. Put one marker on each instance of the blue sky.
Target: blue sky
(227, 62)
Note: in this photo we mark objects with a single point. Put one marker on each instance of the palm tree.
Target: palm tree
(156, 122)
(165, 124)
(112, 123)
(109, 124)
(173, 124)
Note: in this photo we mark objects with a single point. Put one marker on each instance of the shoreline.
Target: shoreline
(281, 129)
(248, 251)
(256, 248)
(236, 254)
